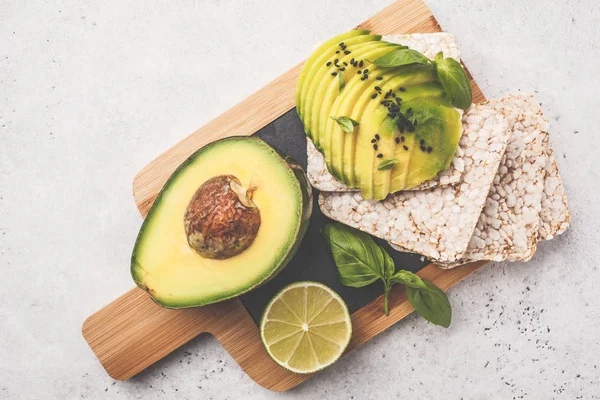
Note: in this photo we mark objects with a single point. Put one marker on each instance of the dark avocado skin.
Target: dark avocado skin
(307, 202)
(306, 211)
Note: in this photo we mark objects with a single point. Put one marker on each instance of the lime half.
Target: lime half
(306, 327)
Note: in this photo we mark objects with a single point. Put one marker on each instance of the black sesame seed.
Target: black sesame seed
(402, 89)
(328, 64)
(373, 140)
(359, 72)
(334, 73)
(429, 149)
(375, 146)
(379, 78)
(366, 70)
(343, 69)
(341, 43)
(336, 60)
(374, 95)
(366, 76)
(377, 136)
(387, 95)
(347, 52)
(402, 138)
(337, 52)
(405, 147)
(398, 100)
(394, 95)
(423, 148)
(422, 142)
(379, 155)
(352, 61)
(345, 64)
(378, 88)
(360, 64)
(397, 140)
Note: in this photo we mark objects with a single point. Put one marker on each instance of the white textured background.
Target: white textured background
(91, 91)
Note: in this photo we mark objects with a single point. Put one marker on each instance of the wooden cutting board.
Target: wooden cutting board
(132, 332)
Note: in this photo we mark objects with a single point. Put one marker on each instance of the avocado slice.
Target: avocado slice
(364, 99)
(355, 96)
(327, 77)
(373, 116)
(319, 69)
(392, 146)
(167, 262)
(434, 94)
(435, 139)
(323, 110)
(319, 57)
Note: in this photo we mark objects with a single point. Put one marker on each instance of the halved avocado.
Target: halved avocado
(200, 242)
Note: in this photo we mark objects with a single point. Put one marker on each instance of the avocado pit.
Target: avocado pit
(221, 221)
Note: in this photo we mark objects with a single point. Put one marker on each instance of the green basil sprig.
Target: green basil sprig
(450, 72)
(454, 80)
(387, 164)
(346, 123)
(401, 57)
(360, 262)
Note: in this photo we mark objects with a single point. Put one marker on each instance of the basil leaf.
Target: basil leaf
(408, 279)
(341, 80)
(360, 261)
(387, 164)
(400, 57)
(439, 57)
(455, 82)
(431, 303)
(388, 264)
(346, 123)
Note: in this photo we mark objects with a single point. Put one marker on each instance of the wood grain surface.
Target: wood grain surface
(132, 332)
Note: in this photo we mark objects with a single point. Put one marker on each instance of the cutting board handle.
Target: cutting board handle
(133, 332)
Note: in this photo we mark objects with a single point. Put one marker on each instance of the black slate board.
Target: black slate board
(313, 262)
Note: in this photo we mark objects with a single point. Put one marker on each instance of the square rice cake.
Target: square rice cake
(438, 222)
(507, 231)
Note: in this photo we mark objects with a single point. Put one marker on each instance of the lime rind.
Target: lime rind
(308, 350)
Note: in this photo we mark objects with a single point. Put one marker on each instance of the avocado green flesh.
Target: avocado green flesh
(355, 90)
(387, 145)
(173, 274)
(352, 157)
(349, 151)
(320, 69)
(323, 111)
(439, 130)
(317, 58)
(374, 114)
(326, 87)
